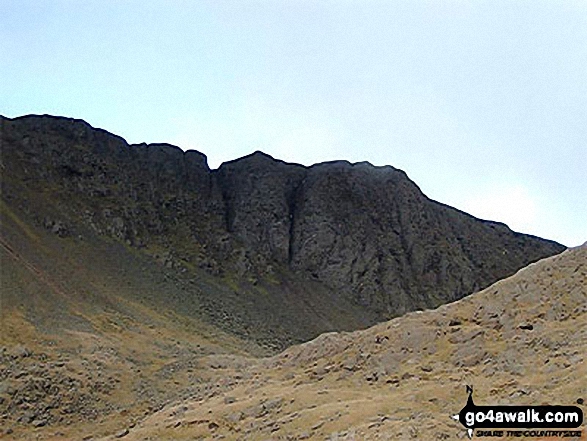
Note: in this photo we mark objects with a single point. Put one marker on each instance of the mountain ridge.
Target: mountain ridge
(253, 154)
(367, 233)
(131, 275)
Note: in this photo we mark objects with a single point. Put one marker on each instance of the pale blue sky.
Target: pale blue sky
(482, 103)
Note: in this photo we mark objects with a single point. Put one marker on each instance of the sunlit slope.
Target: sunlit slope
(521, 341)
(93, 334)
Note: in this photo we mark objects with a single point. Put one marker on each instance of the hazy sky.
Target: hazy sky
(482, 103)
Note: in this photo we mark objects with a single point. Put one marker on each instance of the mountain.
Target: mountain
(130, 274)
(519, 342)
(289, 251)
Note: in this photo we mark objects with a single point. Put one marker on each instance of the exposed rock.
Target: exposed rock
(20, 351)
(122, 433)
(334, 246)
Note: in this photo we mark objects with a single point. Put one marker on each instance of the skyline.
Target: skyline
(482, 104)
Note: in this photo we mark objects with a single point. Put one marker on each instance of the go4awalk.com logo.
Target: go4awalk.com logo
(516, 421)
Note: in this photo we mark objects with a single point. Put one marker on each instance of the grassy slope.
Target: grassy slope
(404, 379)
(116, 330)
(88, 315)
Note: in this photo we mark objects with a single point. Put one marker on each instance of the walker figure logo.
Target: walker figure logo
(519, 417)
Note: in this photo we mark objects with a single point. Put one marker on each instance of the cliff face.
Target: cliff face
(362, 237)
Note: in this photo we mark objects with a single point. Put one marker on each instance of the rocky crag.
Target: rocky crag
(292, 251)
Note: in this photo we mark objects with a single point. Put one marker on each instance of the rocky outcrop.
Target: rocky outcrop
(366, 234)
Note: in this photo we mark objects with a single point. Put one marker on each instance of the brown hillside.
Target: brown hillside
(403, 379)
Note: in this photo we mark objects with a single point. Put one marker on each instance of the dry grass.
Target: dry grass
(326, 389)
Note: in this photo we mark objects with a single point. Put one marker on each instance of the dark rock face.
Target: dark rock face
(366, 234)
(259, 193)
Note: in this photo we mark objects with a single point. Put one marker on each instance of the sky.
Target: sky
(482, 103)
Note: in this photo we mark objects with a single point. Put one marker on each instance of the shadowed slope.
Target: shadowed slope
(335, 246)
